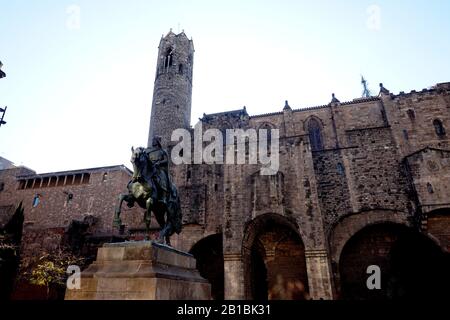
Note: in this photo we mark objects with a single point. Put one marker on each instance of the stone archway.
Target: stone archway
(438, 227)
(209, 255)
(274, 259)
(412, 265)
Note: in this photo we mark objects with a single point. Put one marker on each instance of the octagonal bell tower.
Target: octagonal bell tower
(172, 94)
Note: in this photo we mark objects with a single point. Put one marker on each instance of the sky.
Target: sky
(79, 74)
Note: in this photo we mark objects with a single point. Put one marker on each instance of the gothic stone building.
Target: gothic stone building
(360, 183)
(364, 182)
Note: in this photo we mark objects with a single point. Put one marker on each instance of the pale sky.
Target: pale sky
(79, 94)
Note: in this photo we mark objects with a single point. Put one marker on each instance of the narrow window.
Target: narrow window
(2, 186)
(180, 69)
(188, 175)
(168, 60)
(69, 198)
(315, 135)
(405, 134)
(36, 201)
(340, 169)
(430, 188)
(411, 114)
(439, 127)
(268, 129)
(105, 176)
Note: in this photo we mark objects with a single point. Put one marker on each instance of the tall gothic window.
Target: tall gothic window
(315, 135)
(439, 127)
(268, 136)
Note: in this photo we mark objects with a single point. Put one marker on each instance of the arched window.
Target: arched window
(36, 201)
(268, 129)
(340, 169)
(411, 114)
(315, 135)
(439, 127)
(168, 59)
(405, 134)
(180, 68)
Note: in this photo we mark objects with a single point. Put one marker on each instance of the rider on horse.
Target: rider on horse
(159, 161)
(152, 189)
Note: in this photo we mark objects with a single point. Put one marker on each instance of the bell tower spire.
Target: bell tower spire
(172, 93)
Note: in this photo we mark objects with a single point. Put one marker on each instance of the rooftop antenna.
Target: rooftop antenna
(366, 91)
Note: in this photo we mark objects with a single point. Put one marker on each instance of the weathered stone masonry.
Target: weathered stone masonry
(355, 177)
(355, 180)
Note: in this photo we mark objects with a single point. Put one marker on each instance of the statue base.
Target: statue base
(141, 270)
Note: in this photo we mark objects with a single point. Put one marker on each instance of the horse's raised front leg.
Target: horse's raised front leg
(117, 221)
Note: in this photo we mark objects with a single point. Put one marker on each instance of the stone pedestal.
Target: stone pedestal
(142, 270)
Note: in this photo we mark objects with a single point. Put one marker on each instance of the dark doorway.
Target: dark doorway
(274, 260)
(412, 266)
(258, 273)
(209, 255)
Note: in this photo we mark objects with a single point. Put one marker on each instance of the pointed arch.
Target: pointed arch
(168, 58)
(269, 127)
(439, 127)
(273, 254)
(314, 129)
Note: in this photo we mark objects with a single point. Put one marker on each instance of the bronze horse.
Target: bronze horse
(143, 190)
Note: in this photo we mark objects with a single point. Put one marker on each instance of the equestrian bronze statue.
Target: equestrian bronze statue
(152, 189)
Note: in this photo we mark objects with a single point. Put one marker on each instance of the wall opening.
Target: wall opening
(439, 127)
(315, 135)
(209, 255)
(259, 273)
(274, 260)
(412, 265)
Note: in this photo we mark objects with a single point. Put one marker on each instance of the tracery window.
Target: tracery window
(315, 135)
